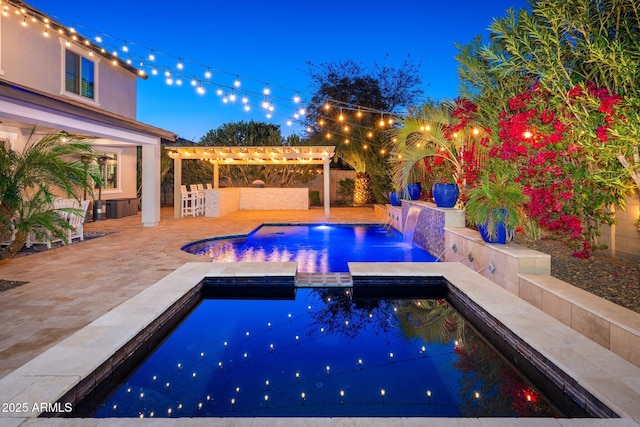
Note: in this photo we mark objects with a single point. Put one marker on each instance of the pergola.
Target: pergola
(261, 155)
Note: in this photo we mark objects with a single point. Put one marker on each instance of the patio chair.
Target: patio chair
(42, 236)
(209, 186)
(200, 187)
(189, 201)
(76, 220)
(199, 194)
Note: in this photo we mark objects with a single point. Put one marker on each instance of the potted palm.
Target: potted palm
(433, 140)
(495, 206)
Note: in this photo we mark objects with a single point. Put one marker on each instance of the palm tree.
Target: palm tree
(434, 132)
(30, 180)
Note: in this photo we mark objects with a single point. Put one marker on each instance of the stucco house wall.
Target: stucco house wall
(33, 95)
(38, 62)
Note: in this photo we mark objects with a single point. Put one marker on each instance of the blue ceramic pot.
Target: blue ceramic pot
(414, 189)
(445, 194)
(500, 235)
(394, 198)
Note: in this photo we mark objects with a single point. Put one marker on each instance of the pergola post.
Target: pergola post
(177, 180)
(327, 187)
(216, 175)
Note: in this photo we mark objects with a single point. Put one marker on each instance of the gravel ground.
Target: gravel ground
(613, 279)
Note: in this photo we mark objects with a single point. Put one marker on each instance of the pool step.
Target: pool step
(324, 280)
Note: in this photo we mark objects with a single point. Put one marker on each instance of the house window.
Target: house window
(108, 170)
(79, 75)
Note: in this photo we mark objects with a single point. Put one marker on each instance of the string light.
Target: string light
(135, 52)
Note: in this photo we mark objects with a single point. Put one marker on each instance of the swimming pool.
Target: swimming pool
(316, 248)
(324, 352)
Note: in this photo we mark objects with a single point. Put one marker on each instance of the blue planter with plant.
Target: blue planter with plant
(445, 194)
(415, 190)
(394, 198)
(500, 233)
(496, 208)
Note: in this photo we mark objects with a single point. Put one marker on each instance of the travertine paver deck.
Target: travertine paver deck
(71, 286)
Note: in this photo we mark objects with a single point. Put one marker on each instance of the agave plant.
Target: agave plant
(30, 180)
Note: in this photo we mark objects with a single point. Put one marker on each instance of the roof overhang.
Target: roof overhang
(235, 155)
(26, 105)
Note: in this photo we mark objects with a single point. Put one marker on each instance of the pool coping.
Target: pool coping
(46, 378)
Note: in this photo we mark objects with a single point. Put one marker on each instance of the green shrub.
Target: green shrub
(314, 198)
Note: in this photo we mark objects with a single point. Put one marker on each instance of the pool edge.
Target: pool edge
(49, 376)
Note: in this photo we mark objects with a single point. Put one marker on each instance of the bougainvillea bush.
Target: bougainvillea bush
(564, 155)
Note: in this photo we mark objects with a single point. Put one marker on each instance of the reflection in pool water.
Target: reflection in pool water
(316, 248)
(324, 354)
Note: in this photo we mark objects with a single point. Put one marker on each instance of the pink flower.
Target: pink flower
(601, 132)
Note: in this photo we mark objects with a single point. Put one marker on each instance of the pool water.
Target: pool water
(316, 248)
(322, 354)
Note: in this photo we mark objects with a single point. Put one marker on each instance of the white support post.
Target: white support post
(151, 184)
(327, 188)
(177, 180)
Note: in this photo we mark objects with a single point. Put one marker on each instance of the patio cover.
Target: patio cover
(265, 155)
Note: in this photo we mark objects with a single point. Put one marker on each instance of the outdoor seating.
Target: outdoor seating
(192, 200)
(75, 219)
(199, 194)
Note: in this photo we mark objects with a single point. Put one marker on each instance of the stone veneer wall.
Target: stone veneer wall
(226, 200)
(432, 221)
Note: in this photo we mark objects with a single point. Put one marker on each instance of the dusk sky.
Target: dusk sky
(264, 44)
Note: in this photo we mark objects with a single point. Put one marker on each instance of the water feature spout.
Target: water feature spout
(490, 267)
(443, 253)
(410, 223)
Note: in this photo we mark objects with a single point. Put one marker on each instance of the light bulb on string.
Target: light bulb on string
(125, 48)
(232, 96)
(302, 111)
(296, 98)
(152, 56)
(180, 65)
(207, 74)
(219, 92)
(98, 39)
(200, 90)
(237, 83)
(247, 108)
(194, 82)
(266, 91)
(24, 21)
(245, 99)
